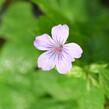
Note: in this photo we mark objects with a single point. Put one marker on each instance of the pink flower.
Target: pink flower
(58, 54)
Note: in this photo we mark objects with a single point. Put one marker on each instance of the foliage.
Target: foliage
(1, 2)
(24, 86)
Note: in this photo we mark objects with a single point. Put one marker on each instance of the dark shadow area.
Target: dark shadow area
(36, 68)
(47, 95)
(36, 10)
(5, 6)
(105, 3)
(106, 105)
(2, 42)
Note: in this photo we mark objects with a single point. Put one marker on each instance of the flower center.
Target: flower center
(58, 49)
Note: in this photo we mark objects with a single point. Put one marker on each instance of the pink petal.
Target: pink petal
(45, 61)
(43, 42)
(63, 63)
(74, 50)
(60, 33)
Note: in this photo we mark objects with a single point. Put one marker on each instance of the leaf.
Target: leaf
(96, 68)
(92, 99)
(104, 80)
(19, 54)
(19, 23)
(17, 90)
(1, 2)
(53, 104)
(77, 71)
(21, 91)
(18, 57)
(61, 87)
(68, 88)
(69, 9)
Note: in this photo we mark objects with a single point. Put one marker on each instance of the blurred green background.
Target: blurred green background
(23, 85)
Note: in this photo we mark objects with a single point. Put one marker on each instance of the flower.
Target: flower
(58, 54)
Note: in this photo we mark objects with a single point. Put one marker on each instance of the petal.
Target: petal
(63, 66)
(60, 33)
(43, 42)
(74, 50)
(45, 61)
(63, 63)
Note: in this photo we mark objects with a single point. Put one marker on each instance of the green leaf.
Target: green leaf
(1, 2)
(92, 99)
(61, 87)
(67, 88)
(53, 104)
(18, 23)
(77, 71)
(96, 68)
(15, 92)
(28, 90)
(104, 80)
(69, 9)
(19, 54)
(18, 57)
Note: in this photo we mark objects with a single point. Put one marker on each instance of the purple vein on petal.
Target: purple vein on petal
(51, 54)
(57, 41)
(65, 51)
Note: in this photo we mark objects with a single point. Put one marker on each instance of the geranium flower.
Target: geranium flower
(58, 54)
